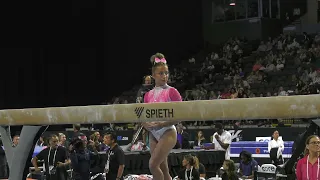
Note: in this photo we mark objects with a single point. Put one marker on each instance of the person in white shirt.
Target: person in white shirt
(276, 143)
(221, 140)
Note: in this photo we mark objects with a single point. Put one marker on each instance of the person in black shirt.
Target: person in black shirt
(190, 171)
(201, 168)
(146, 86)
(114, 159)
(76, 131)
(55, 159)
(3, 163)
(81, 158)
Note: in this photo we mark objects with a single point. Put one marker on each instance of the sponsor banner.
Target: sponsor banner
(265, 139)
(250, 134)
(257, 150)
(122, 138)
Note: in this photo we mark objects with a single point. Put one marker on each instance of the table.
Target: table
(138, 162)
(258, 149)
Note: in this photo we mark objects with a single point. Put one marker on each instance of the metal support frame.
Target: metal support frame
(19, 157)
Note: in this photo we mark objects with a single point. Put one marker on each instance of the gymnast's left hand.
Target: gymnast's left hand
(152, 125)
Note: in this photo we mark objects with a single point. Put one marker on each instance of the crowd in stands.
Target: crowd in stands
(280, 66)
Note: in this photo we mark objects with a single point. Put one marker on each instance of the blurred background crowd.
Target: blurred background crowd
(281, 66)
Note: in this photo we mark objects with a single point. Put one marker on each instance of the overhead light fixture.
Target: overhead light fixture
(232, 3)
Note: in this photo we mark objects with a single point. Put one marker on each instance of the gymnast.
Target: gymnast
(163, 135)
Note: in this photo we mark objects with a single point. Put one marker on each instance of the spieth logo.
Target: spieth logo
(153, 113)
(139, 111)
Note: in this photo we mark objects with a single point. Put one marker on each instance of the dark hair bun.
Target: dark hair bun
(157, 55)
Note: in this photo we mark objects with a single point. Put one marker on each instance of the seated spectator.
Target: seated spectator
(279, 45)
(192, 60)
(280, 65)
(270, 67)
(262, 47)
(241, 93)
(260, 76)
(210, 66)
(146, 86)
(269, 46)
(229, 171)
(188, 95)
(204, 67)
(257, 66)
(226, 94)
(247, 165)
(3, 163)
(182, 138)
(294, 44)
(212, 95)
(41, 142)
(219, 96)
(268, 94)
(190, 169)
(202, 169)
(234, 93)
(282, 92)
(199, 139)
(252, 78)
(316, 78)
(215, 56)
(294, 79)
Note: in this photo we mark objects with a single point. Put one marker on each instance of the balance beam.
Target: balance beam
(307, 106)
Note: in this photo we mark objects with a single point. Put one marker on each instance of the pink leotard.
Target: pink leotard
(164, 93)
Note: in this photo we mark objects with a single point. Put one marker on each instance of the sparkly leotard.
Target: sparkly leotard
(164, 93)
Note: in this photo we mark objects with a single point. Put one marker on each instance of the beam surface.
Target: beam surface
(307, 106)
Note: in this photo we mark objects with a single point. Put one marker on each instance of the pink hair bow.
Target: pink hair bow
(157, 60)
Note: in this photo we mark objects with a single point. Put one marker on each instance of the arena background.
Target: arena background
(84, 53)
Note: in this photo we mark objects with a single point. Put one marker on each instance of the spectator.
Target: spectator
(247, 165)
(3, 163)
(222, 140)
(15, 140)
(199, 139)
(275, 148)
(229, 171)
(190, 171)
(262, 47)
(308, 167)
(81, 158)
(63, 140)
(76, 131)
(202, 169)
(55, 159)
(282, 92)
(182, 138)
(146, 86)
(41, 142)
(114, 162)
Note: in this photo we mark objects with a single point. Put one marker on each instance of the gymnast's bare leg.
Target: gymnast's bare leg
(160, 150)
